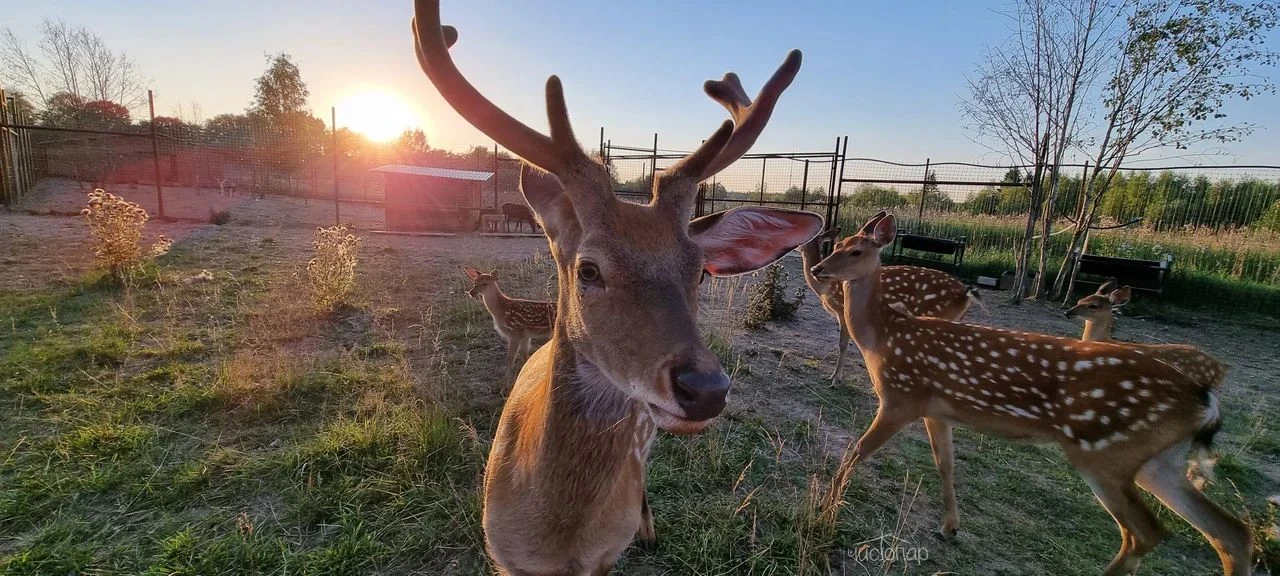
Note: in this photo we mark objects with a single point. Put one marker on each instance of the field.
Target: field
(189, 423)
(1213, 271)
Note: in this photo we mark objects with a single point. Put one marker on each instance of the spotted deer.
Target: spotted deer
(924, 291)
(1098, 312)
(564, 481)
(1117, 413)
(517, 321)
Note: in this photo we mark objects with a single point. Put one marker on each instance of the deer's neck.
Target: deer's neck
(494, 300)
(809, 256)
(1097, 330)
(579, 432)
(865, 312)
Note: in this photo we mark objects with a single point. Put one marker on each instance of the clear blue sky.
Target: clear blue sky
(887, 74)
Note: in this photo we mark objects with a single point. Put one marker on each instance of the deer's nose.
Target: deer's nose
(816, 270)
(701, 395)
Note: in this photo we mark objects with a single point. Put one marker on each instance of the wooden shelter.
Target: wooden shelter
(425, 198)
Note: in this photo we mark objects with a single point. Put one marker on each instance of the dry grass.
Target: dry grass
(332, 269)
(116, 227)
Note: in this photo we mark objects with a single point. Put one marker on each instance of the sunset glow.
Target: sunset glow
(377, 114)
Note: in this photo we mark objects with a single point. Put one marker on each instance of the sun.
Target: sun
(378, 114)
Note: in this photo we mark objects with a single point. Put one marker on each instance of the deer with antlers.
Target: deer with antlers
(518, 321)
(1118, 414)
(564, 482)
(924, 291)
(1098, 312)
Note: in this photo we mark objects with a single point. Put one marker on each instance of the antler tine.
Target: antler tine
(749, 117)
(749, 120)
(432, 41)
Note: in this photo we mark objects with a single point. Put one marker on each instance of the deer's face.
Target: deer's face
(1101, 305)
(480, 281)
(629, 276)
(853, 258)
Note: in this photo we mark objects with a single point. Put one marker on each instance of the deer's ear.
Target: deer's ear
(471, 273)
(494, 273)
(545, 195)
(885, 230)
(1107, 287)
(1121, 297)
(746, 239)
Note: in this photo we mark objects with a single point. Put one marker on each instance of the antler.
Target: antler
(553, 154)
(749, 120)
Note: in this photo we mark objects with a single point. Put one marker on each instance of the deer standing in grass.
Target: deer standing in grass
(1118, 414)
(924, 291)
(1098, 312)
(517, 321)
(564, 481)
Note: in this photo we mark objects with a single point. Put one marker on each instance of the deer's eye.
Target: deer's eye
(588, 272)
(1093, 306)
(856, 253)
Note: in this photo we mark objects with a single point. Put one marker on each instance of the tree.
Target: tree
(20, 106)
(62, 110)
(1177, 63)
(104, 115)
(279, 93)
(73, 60)
(410, 144)
(1026, 101)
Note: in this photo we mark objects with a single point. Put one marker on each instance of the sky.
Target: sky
(889, 75)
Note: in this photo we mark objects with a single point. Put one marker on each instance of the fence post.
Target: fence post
(763, 163)
(924, 191)
(155, 152)
(333, 123)
(653, 170)
(8, 193)
(844, 154)
(496, 167)
(804, 185)
(831, 181)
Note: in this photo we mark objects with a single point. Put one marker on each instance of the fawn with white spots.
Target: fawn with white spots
(564, 481)
(1098, 312)
(518, 321)
(924, 291)
(1118, 414)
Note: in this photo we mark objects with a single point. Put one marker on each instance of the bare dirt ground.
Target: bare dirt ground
(779, 371)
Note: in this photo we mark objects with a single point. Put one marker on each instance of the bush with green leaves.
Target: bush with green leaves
(767, 299)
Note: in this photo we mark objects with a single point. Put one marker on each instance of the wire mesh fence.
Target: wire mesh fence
(1219, 226)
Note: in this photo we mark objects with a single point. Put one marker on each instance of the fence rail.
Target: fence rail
(1221, 224)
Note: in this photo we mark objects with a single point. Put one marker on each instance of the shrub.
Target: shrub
(767, 299)
(219, 217)
(333, 268)
(116, 225)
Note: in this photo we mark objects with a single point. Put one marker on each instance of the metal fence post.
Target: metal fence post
(924, 192)
(764, 162)
(804, 185)
(155, 152)
(333, 122)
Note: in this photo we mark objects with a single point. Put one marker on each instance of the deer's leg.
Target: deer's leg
(513, 348)
(1140, 532)
(1165, 479)
(888, 422)
(944, 458)
(844, 345)
(646, 537)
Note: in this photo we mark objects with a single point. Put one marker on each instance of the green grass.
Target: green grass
(221, 427)
(1214, 278)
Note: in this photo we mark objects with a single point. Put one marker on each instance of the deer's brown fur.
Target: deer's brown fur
(564, 482)
(1119, 415)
